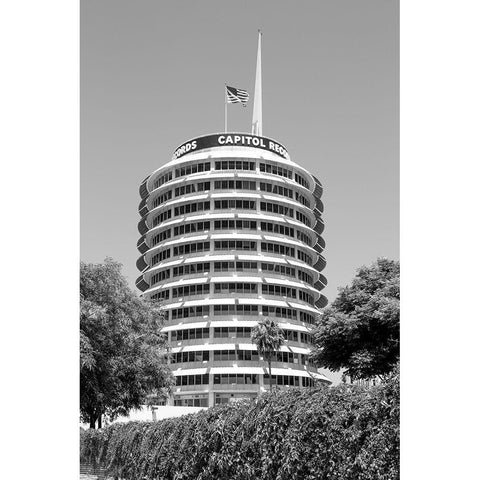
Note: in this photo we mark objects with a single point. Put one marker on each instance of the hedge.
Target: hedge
(345, 432)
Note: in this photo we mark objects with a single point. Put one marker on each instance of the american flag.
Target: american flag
(237, 95)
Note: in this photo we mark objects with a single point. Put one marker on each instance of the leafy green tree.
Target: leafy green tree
(268, 337)
(122, 352)
(360, 331)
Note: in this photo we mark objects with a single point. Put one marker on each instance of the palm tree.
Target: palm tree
(268, 337)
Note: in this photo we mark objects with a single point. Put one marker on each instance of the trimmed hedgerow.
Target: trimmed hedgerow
(344, 432)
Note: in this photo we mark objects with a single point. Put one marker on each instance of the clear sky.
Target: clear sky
(153, 74)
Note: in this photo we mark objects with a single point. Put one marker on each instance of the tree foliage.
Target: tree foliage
(268, 337)
(346, 432)
(122, 352)
(360, 332)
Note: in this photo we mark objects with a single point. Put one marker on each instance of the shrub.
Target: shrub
(345, 432)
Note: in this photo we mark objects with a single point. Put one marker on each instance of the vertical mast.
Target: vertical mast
(257, 100)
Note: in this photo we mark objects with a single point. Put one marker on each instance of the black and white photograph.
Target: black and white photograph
(239, 278)
(206, 205)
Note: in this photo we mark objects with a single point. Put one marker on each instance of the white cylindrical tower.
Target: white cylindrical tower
(230, 233)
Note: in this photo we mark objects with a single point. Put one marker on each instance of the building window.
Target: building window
(276, 208)
(191, 248)
(190, 169)
(275, 170)
(279, 291)
(189, 290)
(166, 215)
(234, 165)
(192, 188)
(235, 204)
(160, 256)
(278, 249)
(235, 225)
(189, 312)
(235, 379)
(191, 269)
(190, 334)
(192, 208)
(235, 245)
(227, 288)
(234, 185)
(166, 177)
(162, 198)
(183, 380)
(191, 228)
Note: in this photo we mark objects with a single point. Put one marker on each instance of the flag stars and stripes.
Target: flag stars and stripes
(236, 95)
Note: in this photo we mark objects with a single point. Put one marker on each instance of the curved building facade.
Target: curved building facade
(230, 234)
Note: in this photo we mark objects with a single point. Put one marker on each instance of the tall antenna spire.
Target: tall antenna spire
(257, 99)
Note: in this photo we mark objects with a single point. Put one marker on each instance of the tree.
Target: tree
(122, 352)
(268, 337)
(360, 332)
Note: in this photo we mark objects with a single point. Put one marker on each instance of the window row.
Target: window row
(244, 379)
(276, 189)
(302, 180)
(162, 217)
(232, 332)
(192, 188)
(279, 291)
(189, 169)
(289, 380)
(182, 380)
(187, 290)
(235, 245)
(236, 356)
(238, 266)
(305, 277)
(235, 185)
(192, 208)
(160, 256)
(231, 165)
(235, 379)
(159, 277)
(190, 334)
(279, 269)
(276, 170)
(276, 208)
(166, 177)
(237, 204)
(161, 295)
(204, 227)
(231, 204)
(304, 257)
(243, 310)
(180, 191)
(228, 245)
(278, 249)
(187, 357)
(303, 218)
(191, 269)
(162, 198)
(188, 401)
(192, 227)
(303, 237)
(243, 266)
(277, 228)
(224, 288)
(191, 248)
(160, 237)
(235, 225)
(187, 312)
(234, 165)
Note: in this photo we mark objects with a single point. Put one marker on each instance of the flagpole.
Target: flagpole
(225, 108)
